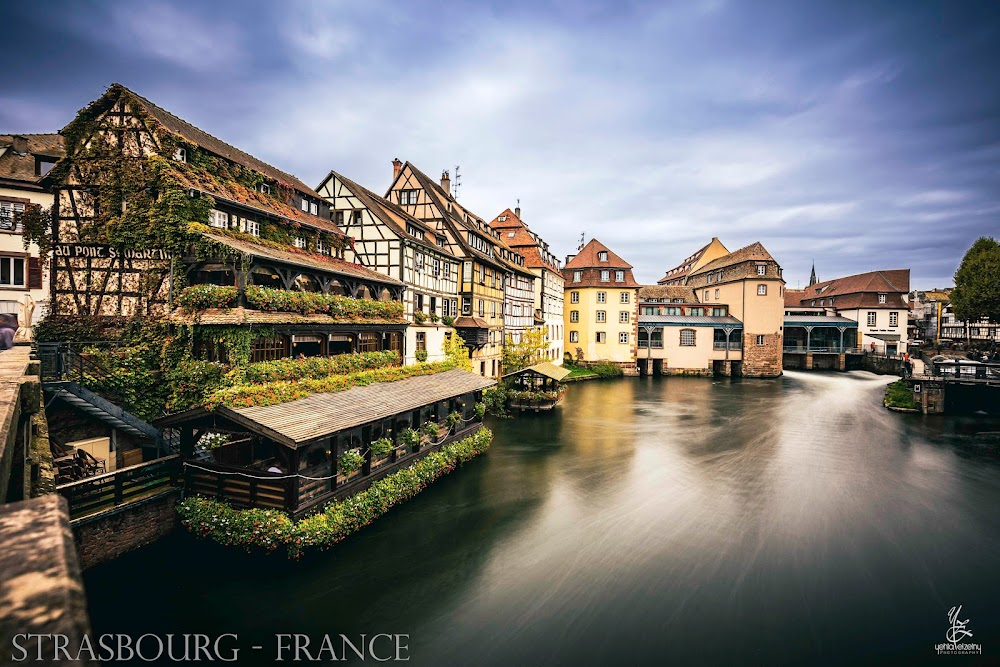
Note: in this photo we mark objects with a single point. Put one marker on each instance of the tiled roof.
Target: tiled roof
(522, 241)
(793, 297)
(689, 320)
(18, 167)
(240, 316)
(302, 258)
(681, 270)
(590, 267)
(466, 322)
(753, 252)
(862, 290)
(667, 292)
(587, 258)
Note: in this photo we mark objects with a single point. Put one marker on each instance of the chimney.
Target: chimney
(446, 181)
(517, 212)
(20, 144)
(569, 258)
(397, 167)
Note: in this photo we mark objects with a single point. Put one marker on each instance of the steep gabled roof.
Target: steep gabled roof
(587, 258)
(515, 233)
(21, 167)
(753, 252)
(679, 273)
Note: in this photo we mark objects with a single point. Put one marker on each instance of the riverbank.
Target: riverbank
(899, 398)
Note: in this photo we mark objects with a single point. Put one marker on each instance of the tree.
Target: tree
(977, 283)
(526, 352)
(454, 348)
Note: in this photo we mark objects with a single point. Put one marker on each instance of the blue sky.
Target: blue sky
(860, 134)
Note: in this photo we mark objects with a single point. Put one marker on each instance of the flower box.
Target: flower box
(378, 463)
(343, 479)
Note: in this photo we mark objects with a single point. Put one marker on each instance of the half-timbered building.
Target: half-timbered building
(486, 280)
(25, 161)
(147, 206)
(394, 243)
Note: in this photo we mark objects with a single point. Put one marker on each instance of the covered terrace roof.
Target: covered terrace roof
(545, 369)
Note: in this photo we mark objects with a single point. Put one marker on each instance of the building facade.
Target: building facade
(934, 320)
(601, 308)
(486, 281)
(25, 161)
(876, 300)
(548, 285)
(389, 240)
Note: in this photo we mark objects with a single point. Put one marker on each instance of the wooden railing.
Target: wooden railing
(242, 487)
(121, 487)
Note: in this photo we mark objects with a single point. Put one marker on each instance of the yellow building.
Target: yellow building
(600, 309)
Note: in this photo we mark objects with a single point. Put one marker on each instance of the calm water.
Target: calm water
(652, 521)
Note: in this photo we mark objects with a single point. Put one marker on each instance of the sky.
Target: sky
(859, 135)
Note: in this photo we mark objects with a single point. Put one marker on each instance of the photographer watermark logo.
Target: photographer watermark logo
(956, 635)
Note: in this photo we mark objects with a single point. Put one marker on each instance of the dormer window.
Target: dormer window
(761, 269)
(602, 256)
(619, 277)
(265, 188)
(510, 235)
(577, 276)
(181, 155)
(502, 218)
(305, 205)
(323, 247)
(413, 231)
(43, 165)
(313, 208)
(300, 242)
(605, 276)
(881, 298)
(219, 219)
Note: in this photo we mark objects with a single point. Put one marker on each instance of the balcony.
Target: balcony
(656, 345)
(732, 345)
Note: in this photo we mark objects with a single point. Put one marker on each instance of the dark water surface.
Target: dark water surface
(652, 521)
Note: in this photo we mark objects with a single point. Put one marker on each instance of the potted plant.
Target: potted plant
(421, 355)
(480, 410)
(431, 431)
(409, 438)
(348, 465)
(454, 419)
(380, 449)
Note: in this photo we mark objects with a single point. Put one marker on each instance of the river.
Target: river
(648, 521)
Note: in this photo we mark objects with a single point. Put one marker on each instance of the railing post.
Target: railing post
(118, 489)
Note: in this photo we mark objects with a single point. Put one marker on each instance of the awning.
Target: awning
(546, 369)
(467, 322)
(892, 338)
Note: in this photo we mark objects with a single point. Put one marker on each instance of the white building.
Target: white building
(24, 162)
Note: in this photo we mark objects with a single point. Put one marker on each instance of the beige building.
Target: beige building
(25, 160)
(601, 308)
(548, 283)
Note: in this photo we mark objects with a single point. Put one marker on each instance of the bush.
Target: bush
(267, 530)
(480, 410)
(606, 369)
(495, 400)
(350, 461)
(381, 447)
(421, 355)
(409, 437)
(448, 320)
(310, 303)
(202, 297)
(191, 381)
(899, 395)
(431, 430)
(311, 368)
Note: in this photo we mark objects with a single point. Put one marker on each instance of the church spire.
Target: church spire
(812, 276)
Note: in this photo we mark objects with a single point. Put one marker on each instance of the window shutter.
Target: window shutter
(34, 273)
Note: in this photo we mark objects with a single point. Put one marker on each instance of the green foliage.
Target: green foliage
(606, 369)
(61, 328)
(409, 437)
(309, 303)
(480, 410)
(419, 317)
(381, 447)
(495, 400)
(190, 381)
(899, 395)
(526, 352)
(311, 368)
(523, 396)
(202, 297)
(431, 430)
(268, 530)
(454, 419)
(420, 355)
(455, 350)
(234, 341)
(977, 283)
(448, 320)
(212, 441)
(128, 375)
(273, 393)
(350, 462)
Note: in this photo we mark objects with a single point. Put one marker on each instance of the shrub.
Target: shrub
(350, 461)
(448, 320)
(495, 400)
(381, 447)
(310, 303)
(409, 437)
(606, 369)
(191, 381)
(431, 430)
(480, 410)
(421, 355)
(454, 419)
(267, 530)
(202, 297)
(899, 395)
(311, 368)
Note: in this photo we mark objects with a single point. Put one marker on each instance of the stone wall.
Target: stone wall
(882, 365)
(110, 534)
(762, 361)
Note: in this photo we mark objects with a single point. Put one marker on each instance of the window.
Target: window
(265, 188)
(577, 276)
(871, 318)
(624, 297)
(623, 316)
(300, 242)
(623, 338)
(761, 269)
(322, 247)
(619, 276)
(313, 208)
(717, 294)
(671, 310)
(218, 219)
(421, 341)
(574, 336)
(602, 297)
(467, 272)
(706, 296)
(357, 217)
(482, 308)
(718, 312)
(602, 256)
(268, 348)
(602, 316)
(467, 305)
(12, 271)
(760, 339)
(574, 316)
(493, 309)
(893, 318)
(574, 297)
(605, 276)
(510, 235)
(696, 312)
(304, 204)
(601, 337)
(9, 212)
(43, 165)
(251, 227)
(762, 290)
(181, 155)
(881, 298)
(407, 197)
(687, 337)
(338, 217)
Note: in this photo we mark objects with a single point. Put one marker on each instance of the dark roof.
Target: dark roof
(587, 258)
(241, 316)
(861, 290)
(753, 252)
(466, 322)
(21, 167)
(320, 415)
(302, 258)
(689, 320)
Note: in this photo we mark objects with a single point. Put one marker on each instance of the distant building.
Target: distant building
(875, 300)
(601, 307)
(25, 161)
(548, 284)
(934, 320)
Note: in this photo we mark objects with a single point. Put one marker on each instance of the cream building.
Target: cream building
(601, 308)
(24, 162)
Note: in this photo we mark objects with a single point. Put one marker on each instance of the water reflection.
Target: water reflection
(647, 521)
